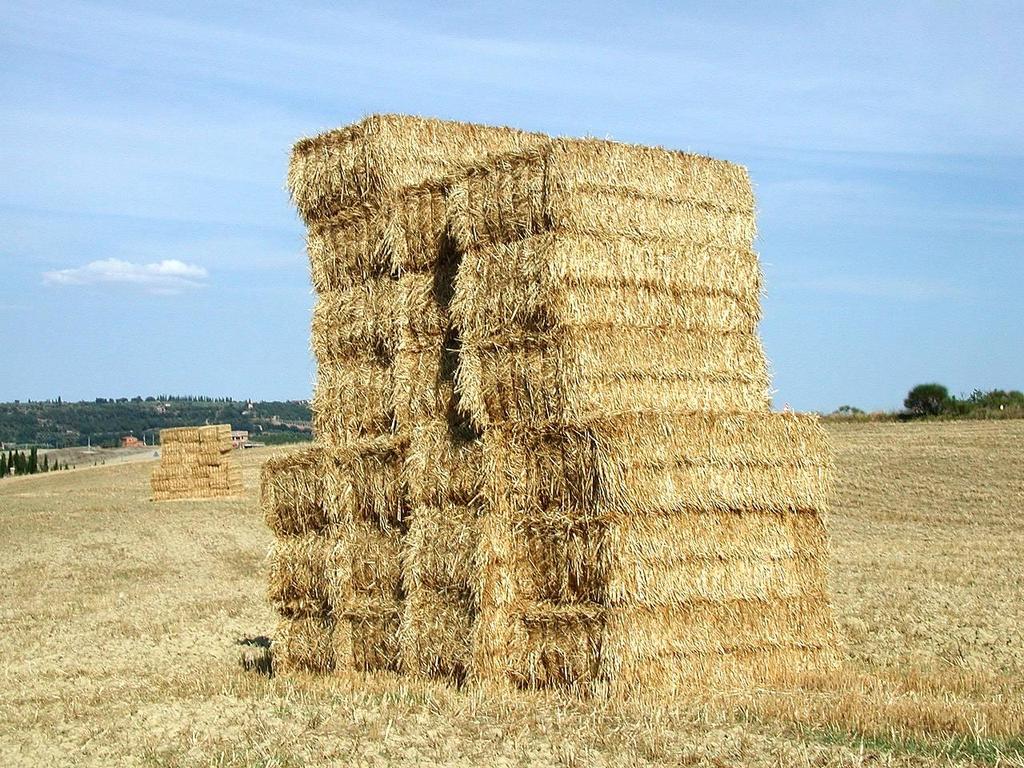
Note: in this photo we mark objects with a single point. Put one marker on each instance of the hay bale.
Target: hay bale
(365, 162)
(697, 516)
(292, 492)
(601, 278)
(348, 249)
(367, 513)
(440, 606)
(443, 464)
(196, 463)
(356, 322)
(435, 633)
(304, 645)
(604, 188)
(297, 582)
(353, 401)
(700, 643)
(364, 482)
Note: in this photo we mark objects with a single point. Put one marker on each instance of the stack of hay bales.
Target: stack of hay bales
(196, 463)
(647, 519)
(378, 336)
(543, 412)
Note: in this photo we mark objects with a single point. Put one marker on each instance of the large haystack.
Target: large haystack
(646, 519)
(547, 451)
(196, 463)
(384, 382)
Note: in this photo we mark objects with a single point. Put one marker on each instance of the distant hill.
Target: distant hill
(103, 422)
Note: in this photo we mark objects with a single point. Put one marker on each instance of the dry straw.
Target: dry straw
(600, 278)
(548, 457)
(196, 463)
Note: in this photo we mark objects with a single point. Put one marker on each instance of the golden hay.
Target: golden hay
(435, 633)
(716, 517)
(292, 492)
(372, 631)
(348, 249)
(633, 514)
(363, 482)
(196, 463)
(353, 401)
(365, 162)
(596, 187)
(601, 278)
(577, 377)
(443, 464)
(356, 322)
(304, 645)
(297, 582)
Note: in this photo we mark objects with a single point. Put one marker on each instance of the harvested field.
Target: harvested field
(122, 620)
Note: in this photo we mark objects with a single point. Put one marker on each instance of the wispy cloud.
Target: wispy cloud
(169, 276)
(894, 288)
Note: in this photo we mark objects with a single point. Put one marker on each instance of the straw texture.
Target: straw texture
(545, 455)
(196, 463)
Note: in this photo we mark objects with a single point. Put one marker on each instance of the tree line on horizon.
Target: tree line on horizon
(19, 463)
(102, 423)
(933, 400)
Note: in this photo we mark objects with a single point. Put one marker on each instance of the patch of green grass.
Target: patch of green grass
(969, 747)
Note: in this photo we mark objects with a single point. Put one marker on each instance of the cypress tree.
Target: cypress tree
(33, 461)
(46, 463)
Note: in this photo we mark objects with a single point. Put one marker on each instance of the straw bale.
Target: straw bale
(643, 514)
(443, 464)
(196, 463)
(603, 188)
(292, 492)
(372, 628)
(440, 547)
(356, 322)
(364, 481)
(376, 563)
(417, 234)
(424, 383)
(352, 401)
(555, 280)
(375, 644)
(435, 632)
(304, 645)
(297, 582)
(365, 162)
(634, 636)
(560, 646)
(574, 377)
(348, 249)
(650, 463)
(422, 304)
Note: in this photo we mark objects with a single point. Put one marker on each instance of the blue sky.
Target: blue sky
(147, 244)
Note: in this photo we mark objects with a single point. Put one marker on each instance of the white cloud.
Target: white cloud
(899, 289)
(168, 276)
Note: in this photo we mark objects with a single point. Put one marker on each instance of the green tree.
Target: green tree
(3, 466)
(33, 461)
(848, 410)
(927, 400)
(46, 463)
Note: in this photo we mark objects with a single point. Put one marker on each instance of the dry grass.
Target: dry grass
(121, 620)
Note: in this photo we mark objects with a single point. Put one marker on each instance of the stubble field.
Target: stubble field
(123, 623)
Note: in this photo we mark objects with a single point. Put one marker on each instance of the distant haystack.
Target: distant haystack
(546, 452)
(196, 463)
